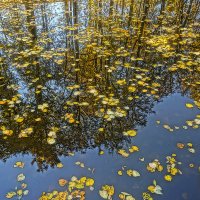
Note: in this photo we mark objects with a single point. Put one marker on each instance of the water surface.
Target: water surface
(76, 76)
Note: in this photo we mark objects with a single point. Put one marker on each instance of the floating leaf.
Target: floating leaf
(158, 190)
(19, 164)
(180, 145)
(119, 173)
(89, 182)
(101, 152)
(20, 177)
(133, 173)
(25, 192)
(51, 140)
(19, 192)
(168, 178)
(123, 153)
(191, 150)
(107, 192)
(62, 182)
(131, 133)
(126, 196)
(104, 194)
(189, 105)
(10, 195)
(131, 89)
(59, 165)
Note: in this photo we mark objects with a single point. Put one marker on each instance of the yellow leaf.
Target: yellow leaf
(131, 89)
(62, 182)
(168, 178)
(119, 173)
(131, 133)
(189, 105)
(19, 164)
(2, 102)
(50, 140)
(20, 119)
(7, 132)
(19, 192)
(10, 195)
(121, 82)
(89, 182)
(59, 165)
(101, 152)
(151, 188)
(133, 149)
(123, 153)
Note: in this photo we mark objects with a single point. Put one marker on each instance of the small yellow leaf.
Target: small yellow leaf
(131, 133)
(19, 192)
(19, 164)
(89, 182)
(50, 140)
(168, 178)
(131, 89)
(20, 119)
(101, 152)
(59, 165)
(189, 105)
(62, 182)
(119, 173)
(10, 195)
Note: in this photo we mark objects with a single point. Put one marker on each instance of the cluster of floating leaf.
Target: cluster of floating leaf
(154, 166)
(21, 189)
(74, 189)
(194, 123)
(172, 167)
(131, 150)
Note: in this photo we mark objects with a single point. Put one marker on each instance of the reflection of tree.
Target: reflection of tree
(70, 138)
(95, 71)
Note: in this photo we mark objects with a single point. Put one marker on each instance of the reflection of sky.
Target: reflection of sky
(154, 141)
(55, 20)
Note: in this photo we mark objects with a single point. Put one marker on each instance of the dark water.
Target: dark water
(73, 82)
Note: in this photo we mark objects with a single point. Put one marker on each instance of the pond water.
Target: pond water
(98, 98)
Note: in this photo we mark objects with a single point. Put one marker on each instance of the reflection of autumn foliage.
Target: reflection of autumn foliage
(192, 84)
(72, 80)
